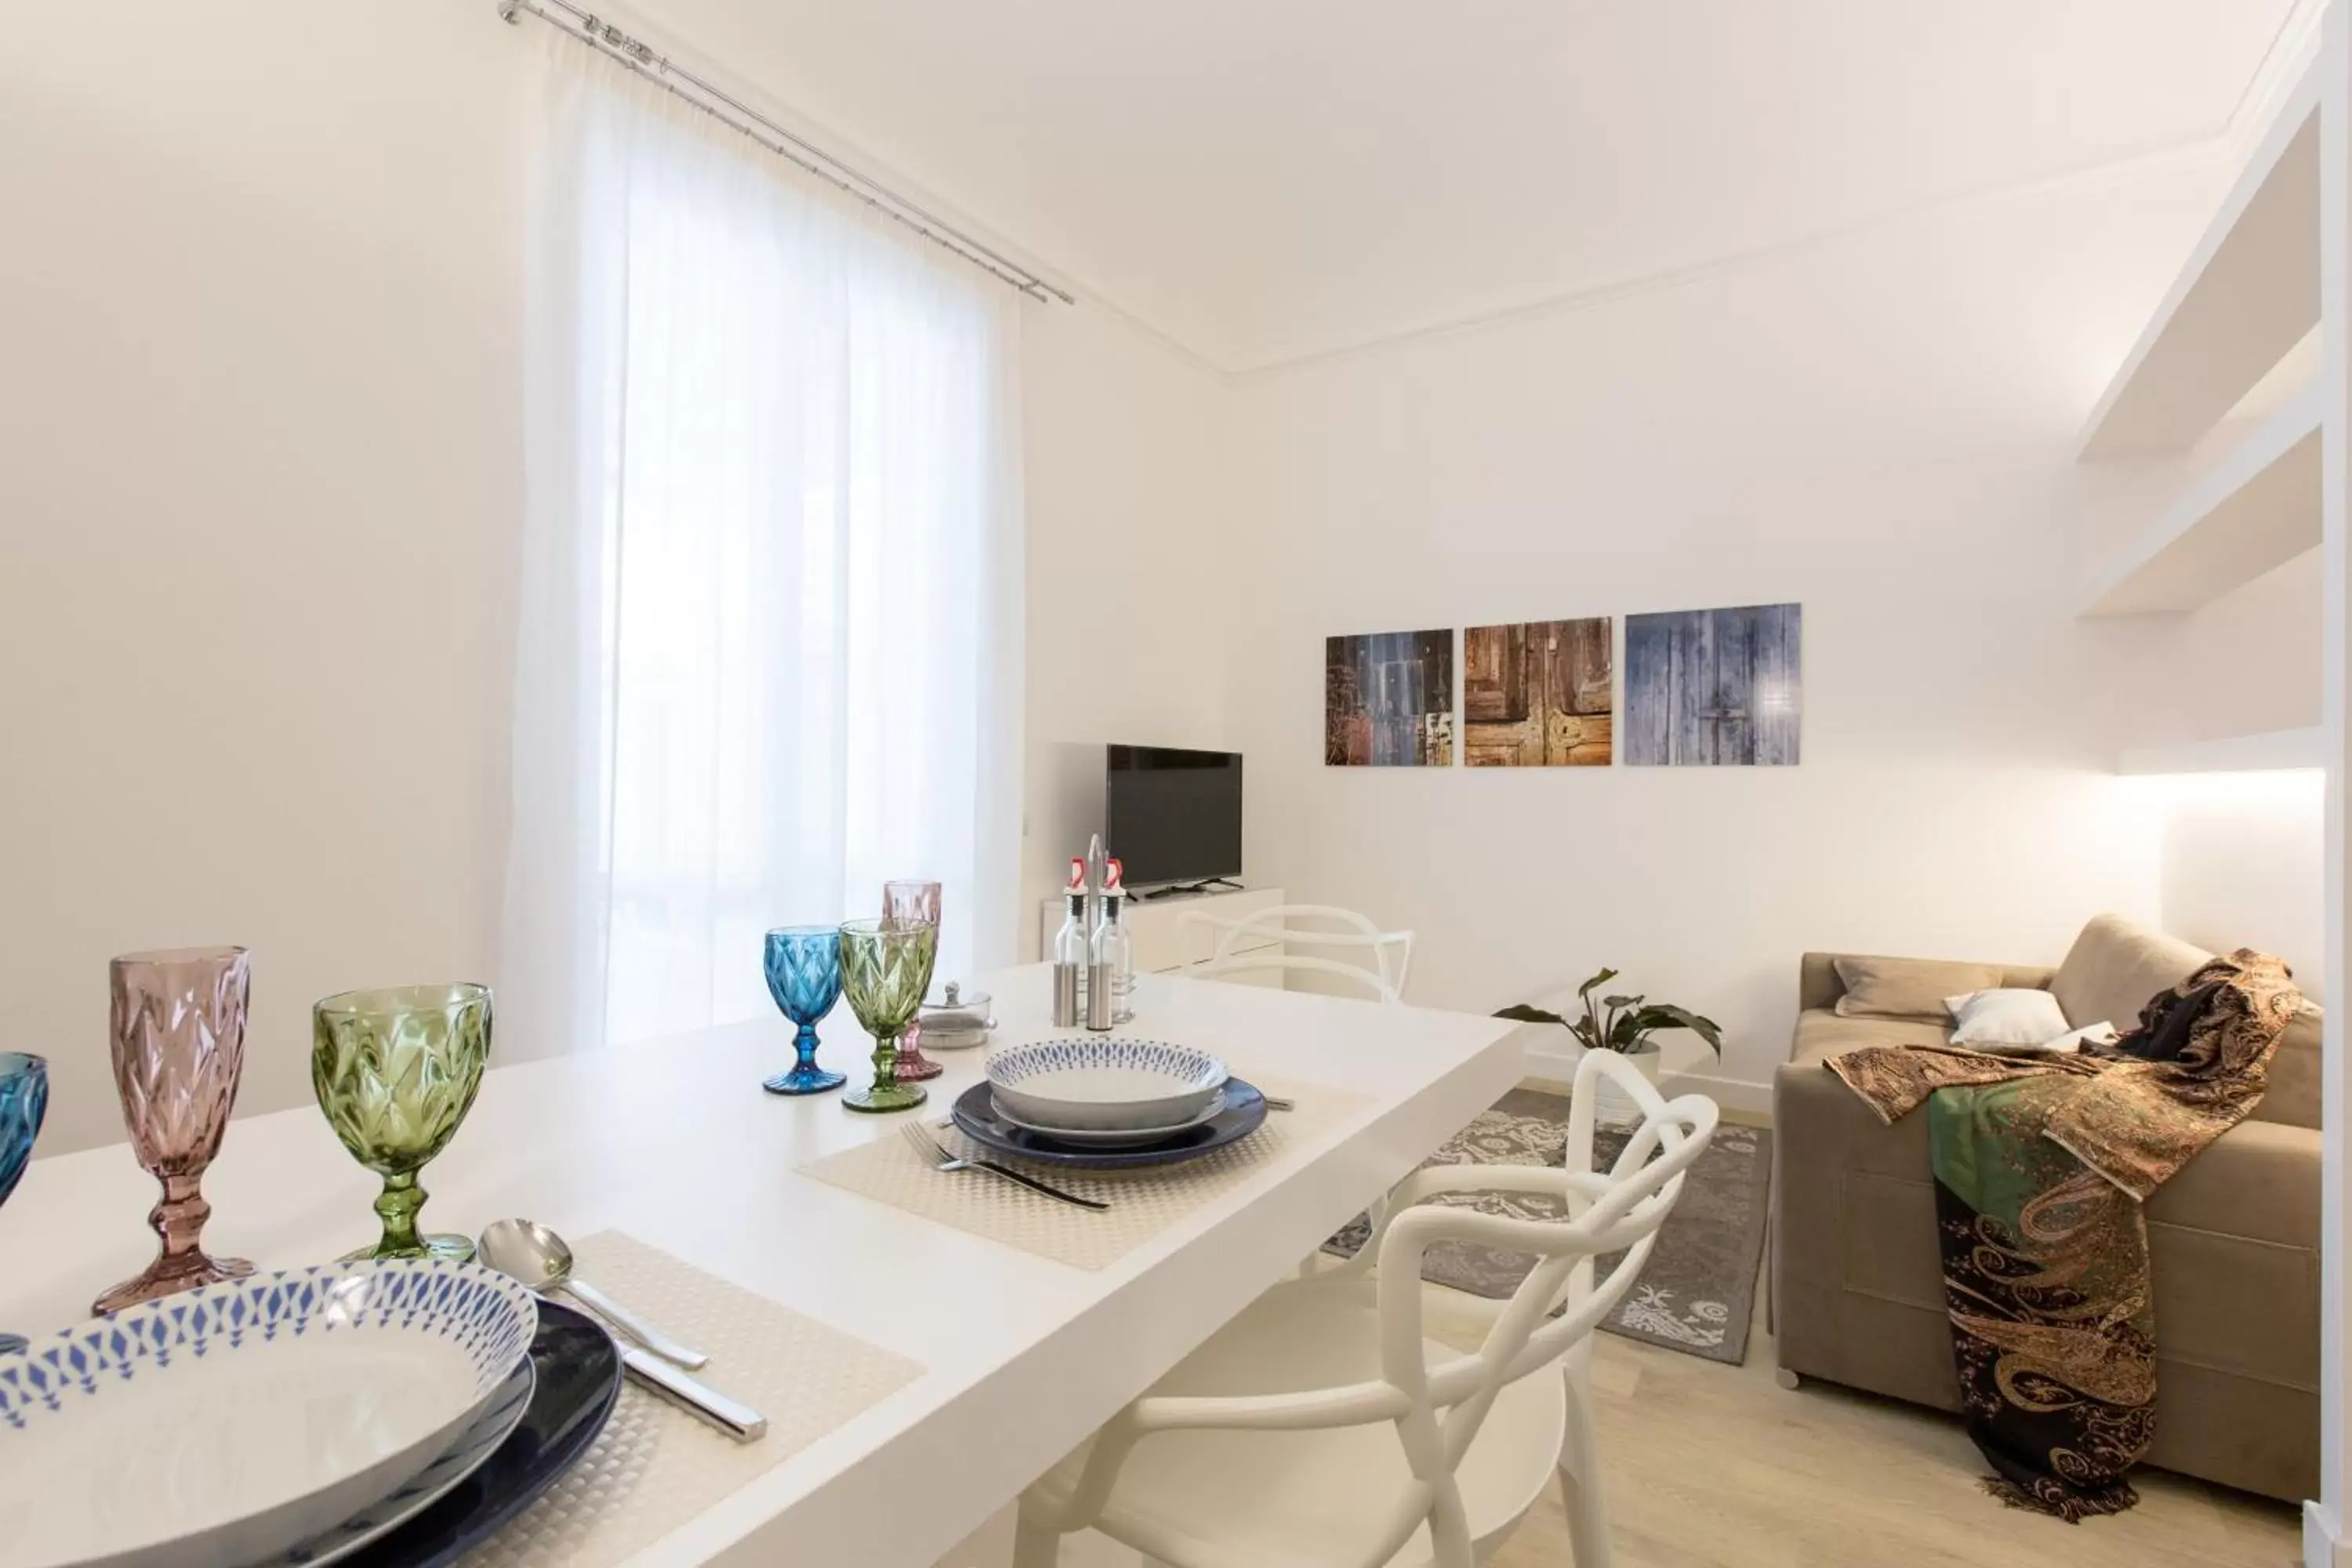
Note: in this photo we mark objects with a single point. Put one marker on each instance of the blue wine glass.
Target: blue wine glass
(803, 965)
(24, 1097)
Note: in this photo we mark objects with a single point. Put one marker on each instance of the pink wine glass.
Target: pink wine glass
(913, 904)
(179, 1049)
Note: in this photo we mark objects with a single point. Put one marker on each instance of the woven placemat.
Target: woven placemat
(1143, 1202)
(654, 1466)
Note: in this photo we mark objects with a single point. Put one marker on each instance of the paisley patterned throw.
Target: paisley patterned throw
(2041, 1166)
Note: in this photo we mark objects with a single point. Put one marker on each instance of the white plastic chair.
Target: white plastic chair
(1391, 951)
(1322, 1427)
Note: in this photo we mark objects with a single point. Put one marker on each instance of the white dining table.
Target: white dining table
(675, 1143)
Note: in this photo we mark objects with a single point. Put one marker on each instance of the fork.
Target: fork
(938, 1159)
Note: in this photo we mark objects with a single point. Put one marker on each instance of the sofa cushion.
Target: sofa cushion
(1821, 1033)
(2115, 966)
(2260, 1181)
(1818, 985)
(2293, 1097)
(1907, 987)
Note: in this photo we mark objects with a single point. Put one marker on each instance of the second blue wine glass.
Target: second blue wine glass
(24, 1096)
(803, 967)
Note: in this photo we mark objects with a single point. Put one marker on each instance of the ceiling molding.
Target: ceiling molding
(2292, 50)
(2073, 183)
(1142, 326)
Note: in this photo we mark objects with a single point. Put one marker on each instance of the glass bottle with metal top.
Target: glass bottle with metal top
(1071, 957)
(1102, 967)
(1105, 938)
(1114, 937)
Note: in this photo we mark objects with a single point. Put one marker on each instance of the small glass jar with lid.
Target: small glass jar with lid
(954, 1019)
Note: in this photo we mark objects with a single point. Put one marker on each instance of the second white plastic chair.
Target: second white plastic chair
(1268, 940)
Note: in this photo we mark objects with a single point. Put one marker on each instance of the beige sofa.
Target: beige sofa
(1856, 1290)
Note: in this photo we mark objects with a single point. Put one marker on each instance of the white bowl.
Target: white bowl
(1104, 1082)
(221, 1425)
(1114, 1137)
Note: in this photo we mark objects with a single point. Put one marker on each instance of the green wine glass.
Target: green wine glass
(395, 1071)
(886, 969)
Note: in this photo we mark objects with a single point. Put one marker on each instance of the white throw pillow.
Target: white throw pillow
(2007, 1017)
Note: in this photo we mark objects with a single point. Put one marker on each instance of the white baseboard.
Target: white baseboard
(2325, 1544)
(1731, 1093)
(1552, 1065)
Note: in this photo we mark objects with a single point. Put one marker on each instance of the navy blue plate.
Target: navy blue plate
(976, 1118)
(579, 1371)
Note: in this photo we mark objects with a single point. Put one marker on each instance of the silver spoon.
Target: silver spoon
(510, 1246)
(539, 1257)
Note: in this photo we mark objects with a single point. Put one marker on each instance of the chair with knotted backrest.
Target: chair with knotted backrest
(1322, 1427)
(1271, 940)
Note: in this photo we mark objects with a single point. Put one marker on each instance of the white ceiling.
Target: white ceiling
(1262, 180)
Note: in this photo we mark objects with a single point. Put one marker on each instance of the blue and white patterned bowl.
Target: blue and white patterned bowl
(222, 1426)
(1104, 1083)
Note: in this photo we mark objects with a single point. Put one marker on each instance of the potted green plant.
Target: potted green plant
(1624, 1024)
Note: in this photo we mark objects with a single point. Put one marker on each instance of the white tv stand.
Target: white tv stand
(1163, 943)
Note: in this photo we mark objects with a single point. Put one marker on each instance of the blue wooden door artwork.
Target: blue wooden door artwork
(1715, 687)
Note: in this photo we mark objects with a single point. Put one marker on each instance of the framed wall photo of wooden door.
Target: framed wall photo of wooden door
(1539, 694)
(1388, 699)
(1715, 687)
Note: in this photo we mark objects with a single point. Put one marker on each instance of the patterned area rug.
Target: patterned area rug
(1696, 1294)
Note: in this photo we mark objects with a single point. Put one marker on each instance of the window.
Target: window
(770, 650)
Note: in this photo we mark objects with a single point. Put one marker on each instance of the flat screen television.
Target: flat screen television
(1172, 816)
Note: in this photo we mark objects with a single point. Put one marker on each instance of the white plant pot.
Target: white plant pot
(1614, 1107)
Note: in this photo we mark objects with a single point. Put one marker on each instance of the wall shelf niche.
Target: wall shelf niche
(2256, 509)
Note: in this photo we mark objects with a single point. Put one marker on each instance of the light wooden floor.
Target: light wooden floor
(1708, 1465)
(1717, 1467)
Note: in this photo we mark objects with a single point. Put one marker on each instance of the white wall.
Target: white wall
(2243, 852)
(259, 409)
(1880, 428)
(2249, 662)
(259, 504)
(2241, 861)
(1131, 498)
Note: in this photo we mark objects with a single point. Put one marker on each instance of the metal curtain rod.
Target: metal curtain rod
(741, 117)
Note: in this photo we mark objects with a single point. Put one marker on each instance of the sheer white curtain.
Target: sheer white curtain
(769, 647)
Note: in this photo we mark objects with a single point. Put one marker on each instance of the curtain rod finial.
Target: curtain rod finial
(510, 12)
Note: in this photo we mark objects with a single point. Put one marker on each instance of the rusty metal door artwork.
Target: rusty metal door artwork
(1388, 699)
